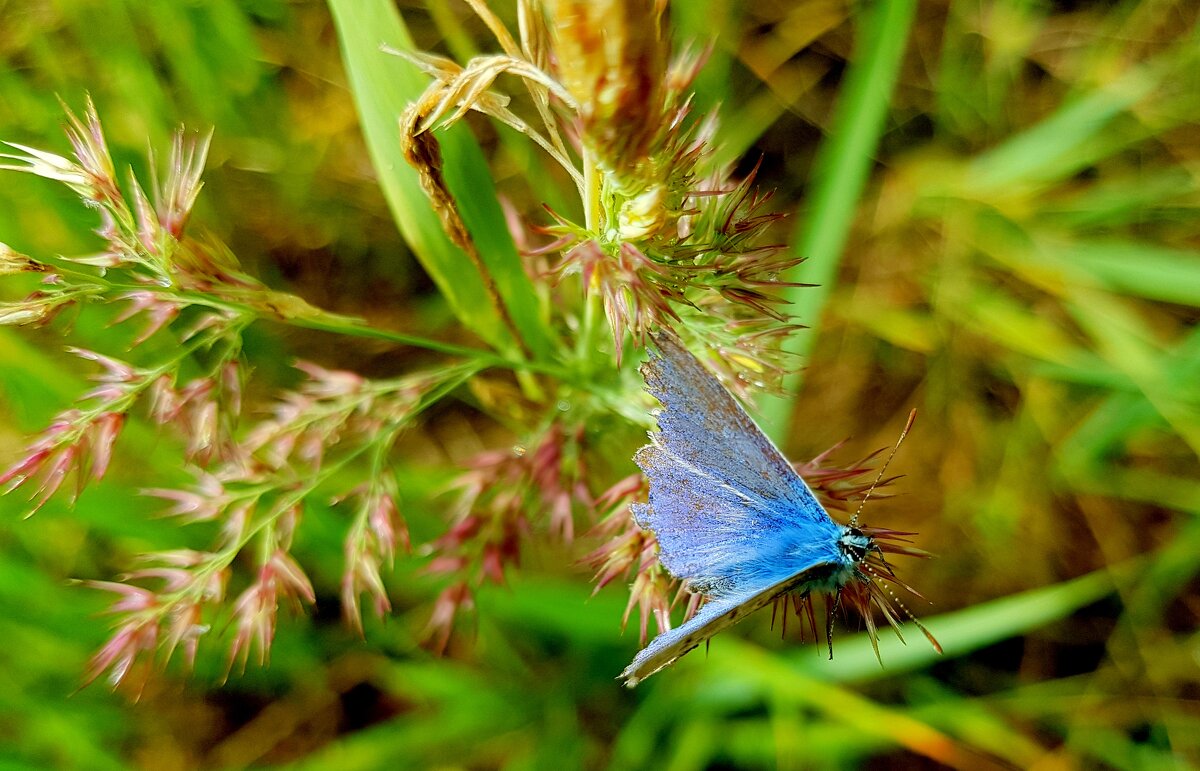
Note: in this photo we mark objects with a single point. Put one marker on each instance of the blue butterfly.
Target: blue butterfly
(736, 523)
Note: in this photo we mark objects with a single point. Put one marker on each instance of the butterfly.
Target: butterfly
(736, 523)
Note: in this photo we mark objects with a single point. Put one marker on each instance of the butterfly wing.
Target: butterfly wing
(703, 426)
(729, 512)
(712, 618)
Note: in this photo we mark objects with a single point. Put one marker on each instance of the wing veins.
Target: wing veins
(753, 500)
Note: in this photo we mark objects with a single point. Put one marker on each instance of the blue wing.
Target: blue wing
(702, 425)
(714, 617)
(730, 513)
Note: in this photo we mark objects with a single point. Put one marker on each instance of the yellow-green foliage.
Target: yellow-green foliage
(1000, 200)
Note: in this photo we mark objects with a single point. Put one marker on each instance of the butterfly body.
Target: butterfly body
(733, 519)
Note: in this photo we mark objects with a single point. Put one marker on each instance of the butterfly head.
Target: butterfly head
(865, 548)
(855, 544)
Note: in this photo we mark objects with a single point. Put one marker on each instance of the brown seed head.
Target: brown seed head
(612, 58)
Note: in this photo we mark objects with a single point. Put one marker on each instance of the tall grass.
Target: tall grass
(1000, 202)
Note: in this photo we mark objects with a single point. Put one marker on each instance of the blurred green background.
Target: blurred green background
(1020, 262)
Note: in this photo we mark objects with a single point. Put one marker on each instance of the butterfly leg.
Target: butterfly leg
(831, 609)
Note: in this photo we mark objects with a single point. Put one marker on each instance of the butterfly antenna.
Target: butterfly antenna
(880, 583)
(912, 416)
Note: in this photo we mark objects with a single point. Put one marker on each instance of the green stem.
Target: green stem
(481, 357)
(341, 325)
(593, 212)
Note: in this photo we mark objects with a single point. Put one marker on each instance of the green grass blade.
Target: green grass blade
(1050, 149)
(1133, 268)
(959, 632)
(842, 166)
(383, 86)
(1128, 344)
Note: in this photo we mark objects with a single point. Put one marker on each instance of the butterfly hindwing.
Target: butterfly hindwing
(712, 618)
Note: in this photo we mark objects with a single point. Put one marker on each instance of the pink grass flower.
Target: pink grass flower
(104, 433)
(130, 598)
(205, 501)
(362, 576)
(450, 603)
(183, 182)
(132, 641)
(386, 524)
(255, 610)
(158, 309)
